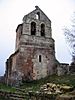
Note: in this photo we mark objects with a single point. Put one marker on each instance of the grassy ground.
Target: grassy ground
(35, 85)
(4, 87)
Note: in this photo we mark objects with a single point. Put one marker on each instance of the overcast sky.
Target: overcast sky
(11, 14)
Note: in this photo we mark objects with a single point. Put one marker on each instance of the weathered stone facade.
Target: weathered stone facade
(34, 56)
(63, 69)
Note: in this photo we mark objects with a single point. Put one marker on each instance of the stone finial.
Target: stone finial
(36, 7)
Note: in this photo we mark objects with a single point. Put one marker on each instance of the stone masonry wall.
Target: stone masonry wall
(28, 62)
(63, 69)
(36, 52)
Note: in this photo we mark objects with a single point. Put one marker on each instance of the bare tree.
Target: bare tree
(70, 37)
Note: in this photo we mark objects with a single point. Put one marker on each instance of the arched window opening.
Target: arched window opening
(42, 30)
(33, 28)
(38, 15)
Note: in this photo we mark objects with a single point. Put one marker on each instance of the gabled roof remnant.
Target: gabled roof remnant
(37, 8)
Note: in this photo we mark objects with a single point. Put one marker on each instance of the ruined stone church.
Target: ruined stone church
(34, 56)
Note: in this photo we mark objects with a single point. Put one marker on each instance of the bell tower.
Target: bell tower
(34, 56)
